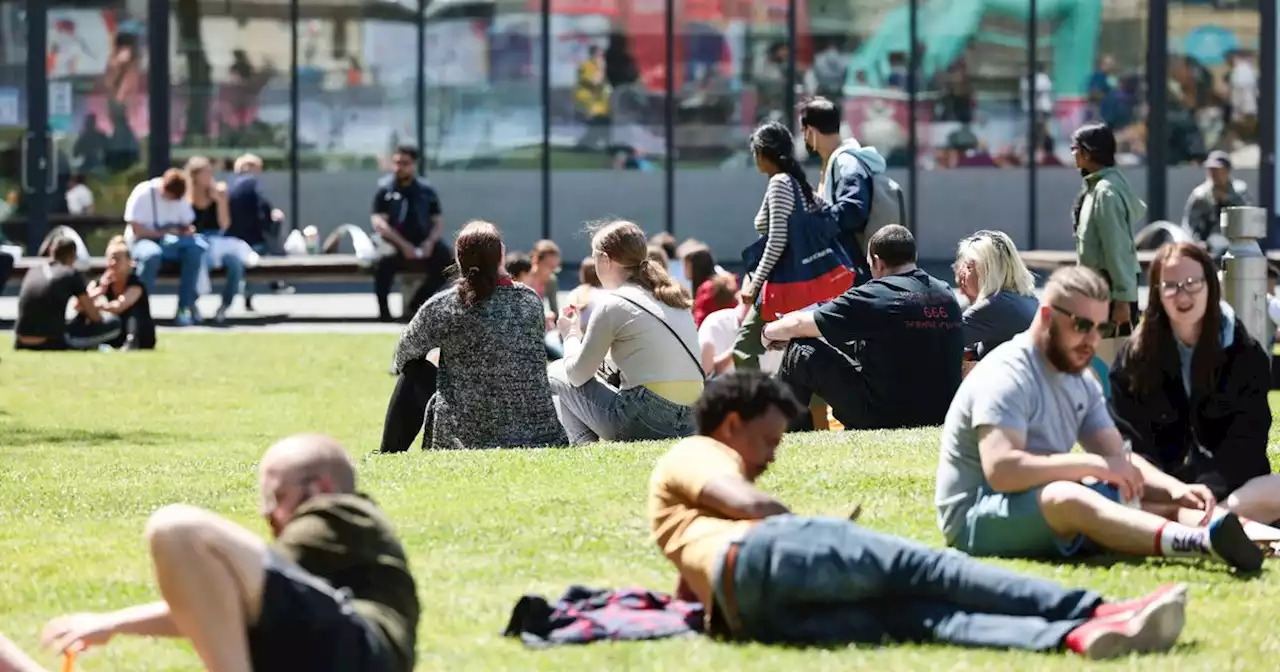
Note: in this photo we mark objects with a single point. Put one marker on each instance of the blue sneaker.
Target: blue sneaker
(183, 320)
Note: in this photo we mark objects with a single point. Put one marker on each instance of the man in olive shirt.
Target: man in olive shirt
(333, 593)
(766, 575)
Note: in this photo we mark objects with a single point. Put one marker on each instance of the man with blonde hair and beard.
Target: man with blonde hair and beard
(1008, 482)
(333, 593)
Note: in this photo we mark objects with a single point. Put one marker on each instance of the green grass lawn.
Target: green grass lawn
(91, 444)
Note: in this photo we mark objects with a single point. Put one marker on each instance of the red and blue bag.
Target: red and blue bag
(813, 268)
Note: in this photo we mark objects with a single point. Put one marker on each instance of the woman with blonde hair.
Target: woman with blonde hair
(121, 292)
(999, 288)
(208, 198)
(645, 327)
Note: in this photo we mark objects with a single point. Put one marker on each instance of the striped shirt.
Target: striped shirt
(771, 221)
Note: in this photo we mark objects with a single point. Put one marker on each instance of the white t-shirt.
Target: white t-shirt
(79, 199)
(148, 207)
(720, 329)
(1244, 88)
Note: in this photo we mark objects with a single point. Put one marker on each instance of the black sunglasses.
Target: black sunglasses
(1084, 325)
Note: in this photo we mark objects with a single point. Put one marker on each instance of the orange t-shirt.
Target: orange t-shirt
(691, 537)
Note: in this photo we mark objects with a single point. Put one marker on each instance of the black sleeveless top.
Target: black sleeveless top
(137, 320)
(207, 218)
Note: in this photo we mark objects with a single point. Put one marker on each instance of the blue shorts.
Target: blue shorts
(1011, 525)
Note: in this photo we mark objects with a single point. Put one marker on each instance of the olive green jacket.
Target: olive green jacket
(1104, 234)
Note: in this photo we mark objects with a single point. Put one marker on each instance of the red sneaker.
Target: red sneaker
(1136, 604)
(1154, 626)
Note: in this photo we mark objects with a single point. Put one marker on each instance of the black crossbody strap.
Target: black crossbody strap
(696, 362)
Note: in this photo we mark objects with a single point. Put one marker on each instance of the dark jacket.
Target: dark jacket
(249, 209)
(1217, 437)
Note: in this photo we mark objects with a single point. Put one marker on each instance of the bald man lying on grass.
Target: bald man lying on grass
(333, 592)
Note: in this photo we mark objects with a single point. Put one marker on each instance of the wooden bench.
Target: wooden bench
(328, 267)
(292, 270)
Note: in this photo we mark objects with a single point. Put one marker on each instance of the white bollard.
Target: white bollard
(1244, 268)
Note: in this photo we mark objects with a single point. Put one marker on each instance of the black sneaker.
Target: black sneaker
(1228, 539)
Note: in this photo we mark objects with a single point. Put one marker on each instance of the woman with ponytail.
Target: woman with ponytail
(644, 325)
(775, 156)
(490, 388)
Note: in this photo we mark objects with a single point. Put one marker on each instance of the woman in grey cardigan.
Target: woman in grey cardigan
(490, 389)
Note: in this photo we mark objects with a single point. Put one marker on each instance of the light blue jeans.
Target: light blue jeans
(598, 411)
(234, 280)
(187, 251)
(824, 581)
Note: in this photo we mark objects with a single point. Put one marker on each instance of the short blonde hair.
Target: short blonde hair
(995, 259)
(244, 162)
(1080, 281)
(118, 243)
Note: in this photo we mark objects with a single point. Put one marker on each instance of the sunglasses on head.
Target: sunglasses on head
(1084, 325)
(1191, 286)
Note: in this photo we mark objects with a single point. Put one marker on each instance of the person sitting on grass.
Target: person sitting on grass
(120, 292)
(588, 282)
(644, 327)
(520, 269)
(766, 575)
(545, 259)
(1190, 387)
(334, 591)
(42, 307)
(1000, 290)
(1008, 483)
(884, 355)
(709, 282)
(491, 388)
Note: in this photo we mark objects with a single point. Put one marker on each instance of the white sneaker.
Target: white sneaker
(220, 317)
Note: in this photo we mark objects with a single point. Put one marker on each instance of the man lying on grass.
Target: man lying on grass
(1008, 482)
(768, 576)
(333, 593)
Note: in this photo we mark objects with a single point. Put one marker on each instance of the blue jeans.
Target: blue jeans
(820, 581)
(597, 411)
(234, 280)
(187, 251)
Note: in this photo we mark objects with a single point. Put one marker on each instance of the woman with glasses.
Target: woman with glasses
(1189, 389)
(999, 288)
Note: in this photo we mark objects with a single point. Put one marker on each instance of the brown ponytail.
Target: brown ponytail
(625, 244)
(479, 253)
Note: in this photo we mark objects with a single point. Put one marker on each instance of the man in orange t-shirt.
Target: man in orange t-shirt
(769, 576)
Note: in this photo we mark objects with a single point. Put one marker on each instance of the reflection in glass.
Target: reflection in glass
(96, 64)
(1214, 81)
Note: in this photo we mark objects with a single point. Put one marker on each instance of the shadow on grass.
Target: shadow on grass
(22, 436)
(1111, 559)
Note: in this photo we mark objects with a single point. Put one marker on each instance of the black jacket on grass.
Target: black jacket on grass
(1217, 437)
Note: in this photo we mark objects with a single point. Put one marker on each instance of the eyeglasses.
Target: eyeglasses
(1191, 286)
(1084, 325)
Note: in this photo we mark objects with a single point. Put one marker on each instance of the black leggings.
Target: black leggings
(407, 410)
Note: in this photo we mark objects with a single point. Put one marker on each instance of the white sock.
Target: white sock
(1176, 540)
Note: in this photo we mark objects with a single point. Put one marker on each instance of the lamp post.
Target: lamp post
(1244, 268)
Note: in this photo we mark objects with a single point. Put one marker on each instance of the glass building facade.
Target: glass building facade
(540, 114)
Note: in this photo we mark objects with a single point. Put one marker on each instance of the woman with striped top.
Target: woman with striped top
(775, 156)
